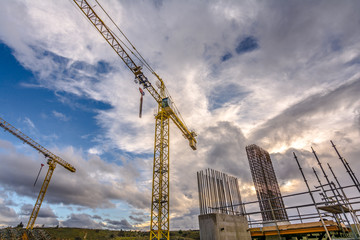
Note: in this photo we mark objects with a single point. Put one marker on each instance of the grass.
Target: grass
(97, 234)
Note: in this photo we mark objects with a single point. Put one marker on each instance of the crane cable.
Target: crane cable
(141, 59)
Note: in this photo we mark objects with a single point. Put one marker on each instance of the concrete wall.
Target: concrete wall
(216, 226)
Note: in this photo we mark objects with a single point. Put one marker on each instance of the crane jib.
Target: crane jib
(26, 139)
(111, 39)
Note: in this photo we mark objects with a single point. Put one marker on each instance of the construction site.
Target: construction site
(326, 211)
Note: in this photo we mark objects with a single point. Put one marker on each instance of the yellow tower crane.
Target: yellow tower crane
(52, 160)
(159, 225)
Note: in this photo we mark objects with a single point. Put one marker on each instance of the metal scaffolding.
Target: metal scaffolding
(266, 185)
(218, 193)
(309, 213)
(331, 212)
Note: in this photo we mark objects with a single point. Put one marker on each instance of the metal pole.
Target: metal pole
(312, 197)
(299, 214)
(200, 193)
(321, 186)
(347, 167)
(346, 201)
(335, 216)
(275, 221)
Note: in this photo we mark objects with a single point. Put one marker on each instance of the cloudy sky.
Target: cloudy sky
(281, 74)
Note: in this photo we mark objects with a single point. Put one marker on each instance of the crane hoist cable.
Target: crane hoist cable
(141, 59)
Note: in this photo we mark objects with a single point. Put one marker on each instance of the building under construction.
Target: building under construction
(266, 185)
(328, 210)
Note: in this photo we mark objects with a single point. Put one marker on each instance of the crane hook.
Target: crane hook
(142, 93)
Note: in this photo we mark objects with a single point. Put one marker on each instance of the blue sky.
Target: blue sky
(241, 72)
(42, 115)
(43, 106)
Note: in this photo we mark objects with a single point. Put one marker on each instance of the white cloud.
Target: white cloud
(29, 123)
(94, 151)
(60, 116)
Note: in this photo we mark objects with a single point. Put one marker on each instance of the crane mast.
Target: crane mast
(52, 161)
(159, 224)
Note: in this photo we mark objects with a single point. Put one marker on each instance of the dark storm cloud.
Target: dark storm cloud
(87, 221)
(64, 184)
(10, 202)
(26, 209)
(81, 221)
(158, 3)
(16, 178)
(136, 219)
(123, 224)
(225, 144)
(295, 23)
(247, 44)
(44, 212)
(286, 167)
(226, 93)
(97, 217)
(8, 216)
(46, 215)
(354, 61)
(187, 221)
(6, 212)
(296, 119)
(226, 57)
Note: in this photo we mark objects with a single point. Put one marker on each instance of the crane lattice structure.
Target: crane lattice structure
(159, 225)
(52, 160)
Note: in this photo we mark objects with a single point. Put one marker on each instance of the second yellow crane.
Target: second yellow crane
(52, 160)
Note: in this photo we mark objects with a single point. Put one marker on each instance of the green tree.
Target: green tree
(121, 233)
(20, 225)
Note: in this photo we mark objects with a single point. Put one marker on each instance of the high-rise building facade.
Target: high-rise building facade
(266, 185)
